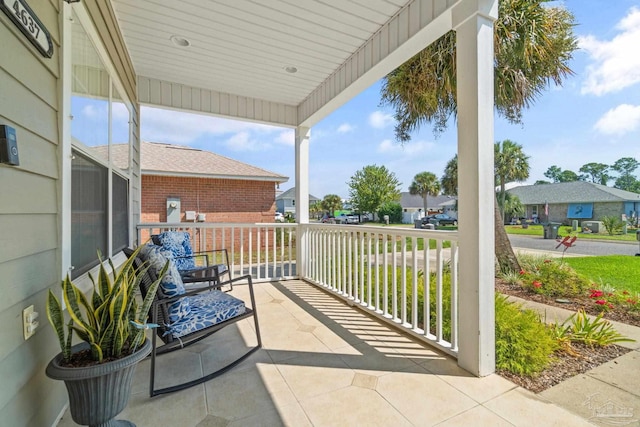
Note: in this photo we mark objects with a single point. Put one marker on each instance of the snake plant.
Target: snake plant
(110, 321)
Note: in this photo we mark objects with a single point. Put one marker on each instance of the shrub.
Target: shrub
(592, 332)
(511, 278)
(393, 209)
(552, 278)
(612, 224)
(524, 344)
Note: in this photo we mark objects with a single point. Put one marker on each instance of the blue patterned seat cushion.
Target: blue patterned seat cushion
(179, 243)
(207, 309)
(171, 284)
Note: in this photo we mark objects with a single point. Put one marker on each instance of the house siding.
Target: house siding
(29, 220)
(31, 210)
(608, 209)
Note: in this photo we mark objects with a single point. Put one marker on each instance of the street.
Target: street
(582, 246)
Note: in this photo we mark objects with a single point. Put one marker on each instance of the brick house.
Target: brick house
(184, 184)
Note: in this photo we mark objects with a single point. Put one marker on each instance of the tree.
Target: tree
(553, 173)
(569, 176)
(556, 174)
(625, 167)
(597, 172)
(449, 180)
(425, 184)
(511, 164)
(533, 47)
(512, 206)
(372, 186)
(541, 182)
(331, 203)
(315, 208)
(393, 209)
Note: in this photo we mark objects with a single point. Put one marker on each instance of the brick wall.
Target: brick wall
(221, 200)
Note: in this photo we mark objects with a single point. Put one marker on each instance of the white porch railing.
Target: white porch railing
(266, 251)
(380, 269)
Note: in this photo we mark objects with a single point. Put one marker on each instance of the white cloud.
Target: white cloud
(159, 125)
(345, 128)
(380, 120)
(411, 148)
(622, 119)
(286, 137)
(615, 63)
(92, 111)
(243, 141)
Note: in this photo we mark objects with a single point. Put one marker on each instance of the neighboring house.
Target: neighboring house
(181, 183)
(413, 206)
(579, 200)
(286, 201)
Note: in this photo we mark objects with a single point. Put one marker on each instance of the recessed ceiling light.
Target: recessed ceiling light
(180, 41)
(291, 70)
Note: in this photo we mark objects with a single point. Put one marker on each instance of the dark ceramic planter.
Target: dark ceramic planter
(98, 393)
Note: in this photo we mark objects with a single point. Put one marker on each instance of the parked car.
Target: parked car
(279, 217)
(440, 219)
(347, 219)
(328, 219)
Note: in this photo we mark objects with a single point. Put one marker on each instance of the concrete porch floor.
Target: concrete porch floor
(326, 364)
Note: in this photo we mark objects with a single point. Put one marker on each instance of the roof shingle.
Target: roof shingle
(571, 192)
(178, 160)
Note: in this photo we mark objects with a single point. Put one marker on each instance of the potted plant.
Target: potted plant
(98, 371)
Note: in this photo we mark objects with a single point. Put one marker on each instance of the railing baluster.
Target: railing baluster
(454, 296)
(394, 277)
(414, 283)
(439, 290)
(403, 283)
(427, 287)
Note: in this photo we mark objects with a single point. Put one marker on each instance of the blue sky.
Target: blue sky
(593, 117)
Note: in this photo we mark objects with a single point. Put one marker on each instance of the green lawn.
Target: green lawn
(537, 230)
(620, 271)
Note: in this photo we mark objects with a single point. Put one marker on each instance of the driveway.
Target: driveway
(582, 246)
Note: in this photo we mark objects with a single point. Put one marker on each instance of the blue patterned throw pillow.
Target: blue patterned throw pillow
(179, 243)
(171, 284)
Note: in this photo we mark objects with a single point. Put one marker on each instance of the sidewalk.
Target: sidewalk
(606, 395)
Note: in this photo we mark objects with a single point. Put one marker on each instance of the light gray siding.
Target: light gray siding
(29, 220)
(31, 206)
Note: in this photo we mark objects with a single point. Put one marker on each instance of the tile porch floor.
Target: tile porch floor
(326, 364)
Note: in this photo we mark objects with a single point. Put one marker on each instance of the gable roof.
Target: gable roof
(408, 201)
(571, 192)
(291, 194)
(178, 160)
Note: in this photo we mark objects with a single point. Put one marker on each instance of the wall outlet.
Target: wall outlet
(29, 322)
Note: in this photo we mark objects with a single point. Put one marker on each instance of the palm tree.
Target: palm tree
(512, 206)
(449, 180)
(511, 164)
(425, 184)
(331, 203)
(504, 252)
(533, 45)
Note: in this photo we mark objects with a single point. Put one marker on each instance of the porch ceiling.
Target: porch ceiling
(239, 51)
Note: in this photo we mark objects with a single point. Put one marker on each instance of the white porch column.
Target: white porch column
(302, 196)
(473, 23)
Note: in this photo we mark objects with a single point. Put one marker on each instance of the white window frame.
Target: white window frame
(67, 145)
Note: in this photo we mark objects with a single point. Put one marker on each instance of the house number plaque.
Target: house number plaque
(27, 21)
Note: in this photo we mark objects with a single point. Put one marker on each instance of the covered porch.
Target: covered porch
(258, 63)
(326, 364)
